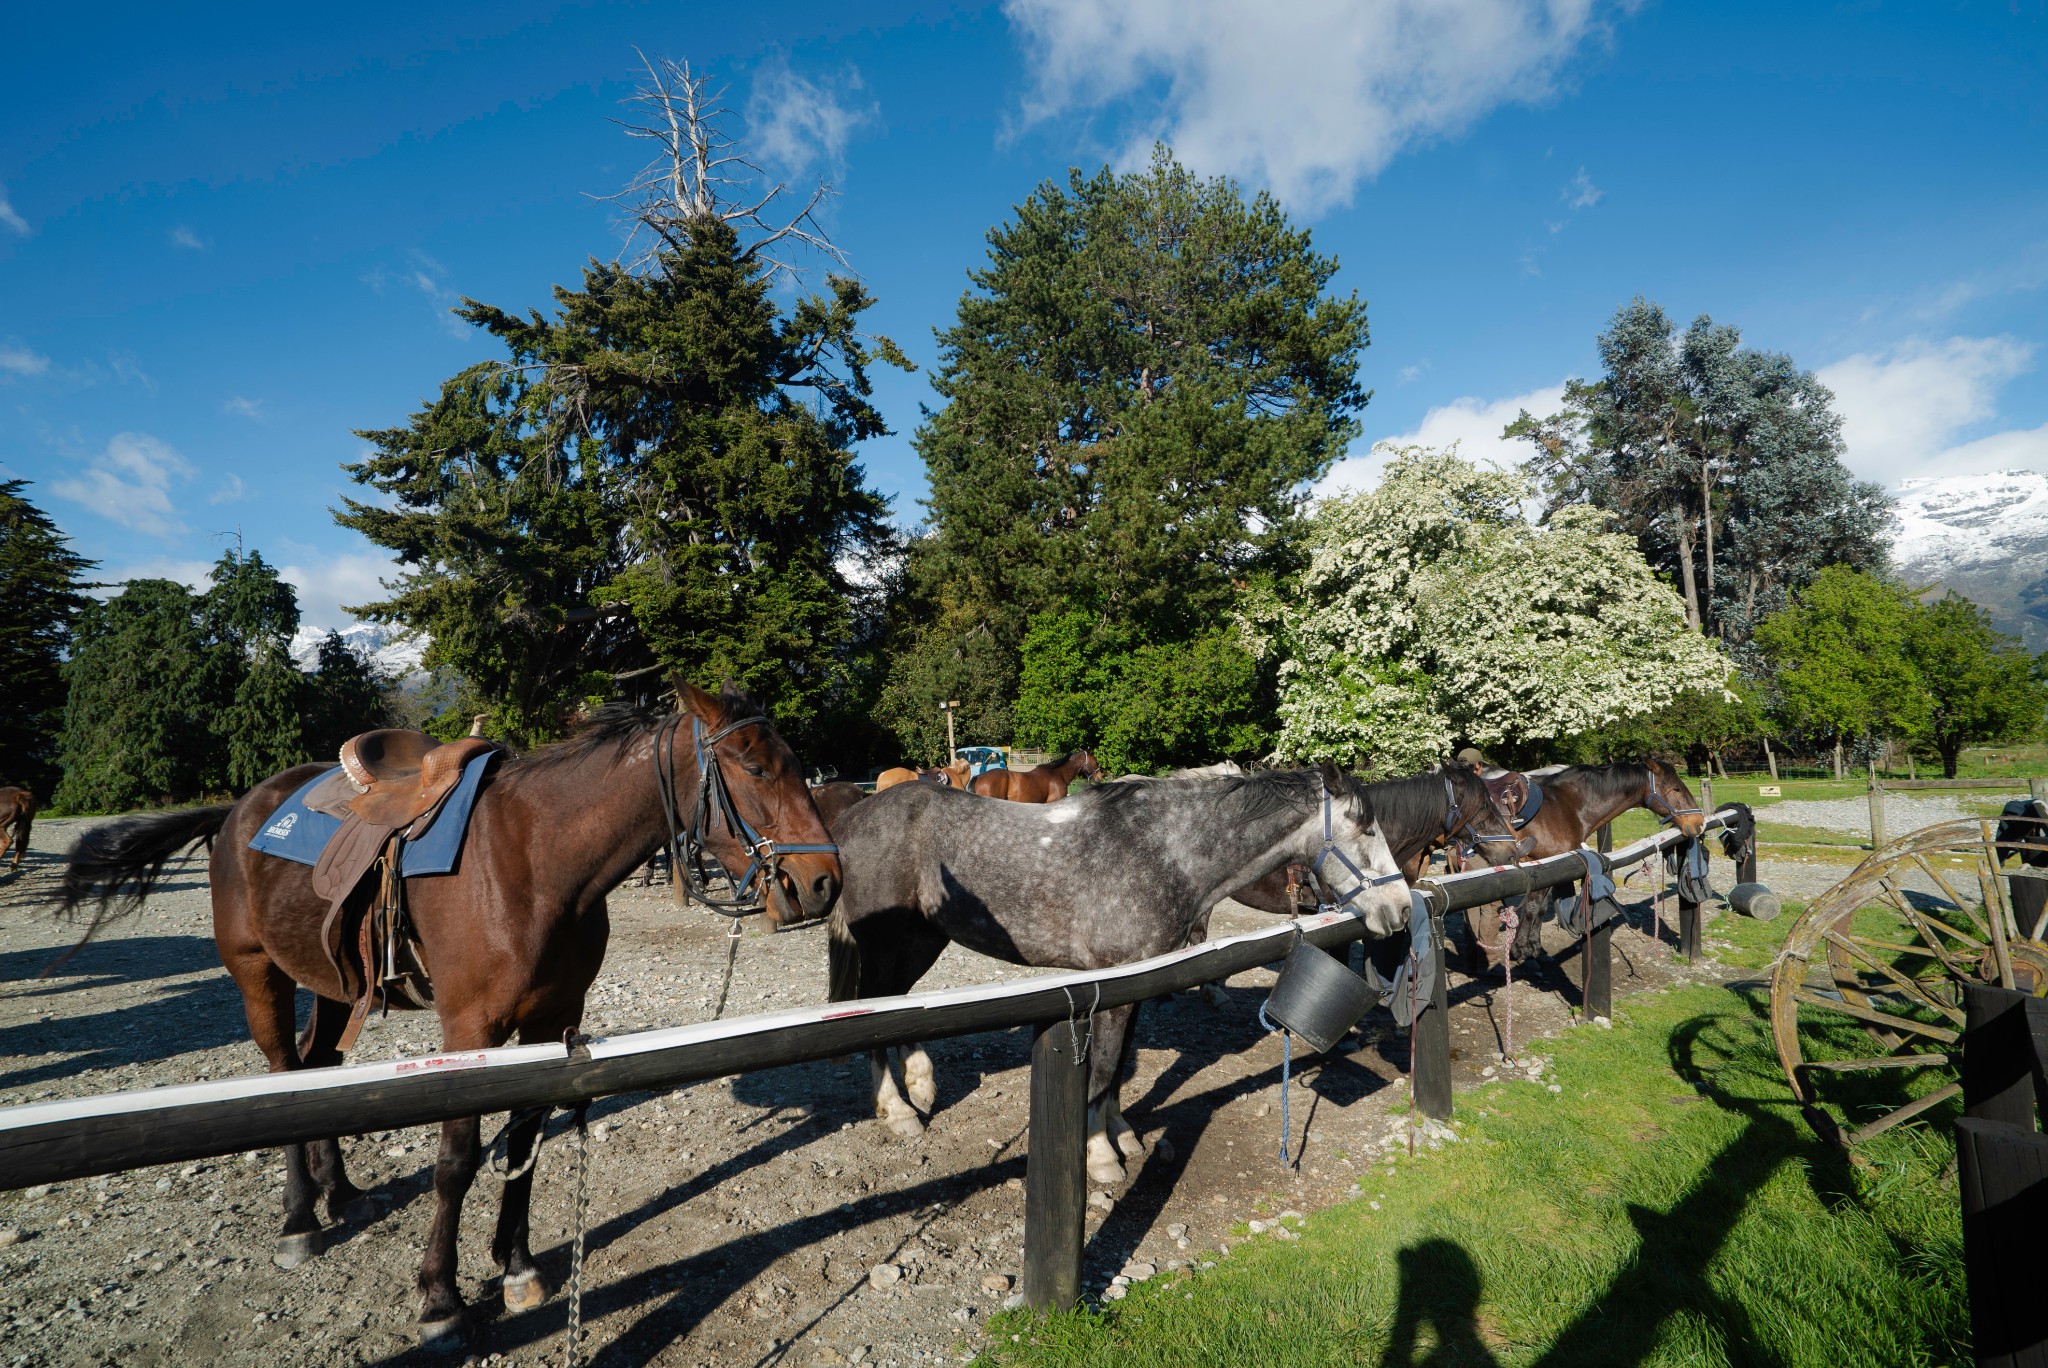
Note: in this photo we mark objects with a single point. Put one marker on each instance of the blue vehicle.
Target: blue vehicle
(981, 759)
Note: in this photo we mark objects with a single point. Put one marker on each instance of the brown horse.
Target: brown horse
(954, 775)
(514, 936)
(1045, 783)
(1577, 801)
(17, 815)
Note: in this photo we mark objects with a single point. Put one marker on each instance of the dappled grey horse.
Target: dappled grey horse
(1119, 873)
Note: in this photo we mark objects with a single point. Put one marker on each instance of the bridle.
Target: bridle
(714, 805)
(1455, 820)
(1656, 802)
(1330, 848)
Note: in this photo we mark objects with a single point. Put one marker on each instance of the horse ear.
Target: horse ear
(1333, 778)
(695, 700)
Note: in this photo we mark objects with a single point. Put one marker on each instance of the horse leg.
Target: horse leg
(1529, 934)
(523, 1287)
(890, 1106)
(1109, 1036)
(1119, 1130)
(918, 1083)
(323, 1034)
(267, 1003)
(441, 1305)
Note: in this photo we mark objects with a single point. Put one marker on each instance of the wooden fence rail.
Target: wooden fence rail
(1879, 785)
(44, 1142)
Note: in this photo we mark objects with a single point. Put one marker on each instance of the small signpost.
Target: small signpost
(949, 707)
(1769, 791)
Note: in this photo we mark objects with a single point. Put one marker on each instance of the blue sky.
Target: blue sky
(227, 241)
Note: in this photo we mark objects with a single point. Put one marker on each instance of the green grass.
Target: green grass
(1668, 1207)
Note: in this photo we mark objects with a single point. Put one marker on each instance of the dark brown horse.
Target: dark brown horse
(514, 936)
(1046, 783)
(1577, 801)
(17, 815)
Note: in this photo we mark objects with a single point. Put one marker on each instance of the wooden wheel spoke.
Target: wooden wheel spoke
(1875, 1017)
(1905, 1113)
(1912, 1061)
(1906, 985)
(1961, 906)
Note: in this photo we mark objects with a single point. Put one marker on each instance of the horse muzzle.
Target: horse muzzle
(804, 889)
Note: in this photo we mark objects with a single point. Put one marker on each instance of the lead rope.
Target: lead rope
(574, 1338)
(732, 953)
(1286, 1069)
(1414, 968)
(1510, 922)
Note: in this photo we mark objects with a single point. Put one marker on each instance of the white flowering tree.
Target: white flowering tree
(1432, 612)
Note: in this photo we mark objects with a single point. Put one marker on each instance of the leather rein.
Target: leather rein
(690, 860)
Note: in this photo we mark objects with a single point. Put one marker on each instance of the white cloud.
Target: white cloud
(16, 359)
(1307, 98)
(797, 123)
(184, 237)
(193, 574)
(327, 582)
(1580, 193)
(230, 490)
(130, 483)
(1473, 424)
(1903, 408)
(246, 408)
(8, 218)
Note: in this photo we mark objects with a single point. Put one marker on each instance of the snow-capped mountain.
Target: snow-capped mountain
(1984, 536)
(392, 650)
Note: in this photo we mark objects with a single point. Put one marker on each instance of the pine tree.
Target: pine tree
(137, 724)
(1139, 385)
(345, 696)
(1724, 462)
(40, 580)
(252, 689)
(658, 480)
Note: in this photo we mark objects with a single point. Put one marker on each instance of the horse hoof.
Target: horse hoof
(293, 1250)
(909, 1127)
(449, 1335)
(524, 1291)
(1108, 1175)
(1130, 1143)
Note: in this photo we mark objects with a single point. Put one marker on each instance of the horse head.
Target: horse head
(766, 784)
(1479, 818)
(1346, 826)
(1085, 767)
(1668, 797)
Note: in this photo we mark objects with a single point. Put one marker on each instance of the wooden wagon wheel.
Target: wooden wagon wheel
(1867, 997)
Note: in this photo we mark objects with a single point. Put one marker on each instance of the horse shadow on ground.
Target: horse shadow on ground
(177, 1019)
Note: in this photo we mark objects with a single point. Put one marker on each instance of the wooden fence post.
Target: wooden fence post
(1432, 1028)
(1056, 1176)
(1599, 986)
(1876, 809)
(1688, 925)
(2038, 788)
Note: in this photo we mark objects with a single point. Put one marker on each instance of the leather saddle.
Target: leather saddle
(391, 786)
(1518, 797)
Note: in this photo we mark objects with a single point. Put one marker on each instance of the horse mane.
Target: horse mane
(1259, 793)
(1603, 781)
(612, 725)
(1414, 803)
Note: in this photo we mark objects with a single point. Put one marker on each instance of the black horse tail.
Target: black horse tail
(117, 865)
(843, 955)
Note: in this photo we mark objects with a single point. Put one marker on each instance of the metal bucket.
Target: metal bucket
(1754, 900)
(1317, 998)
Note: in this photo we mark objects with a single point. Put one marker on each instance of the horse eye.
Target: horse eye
(755, 770)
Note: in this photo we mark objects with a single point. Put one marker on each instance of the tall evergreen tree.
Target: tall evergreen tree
(40, 580)
(137, 723)
(1724, 462)
(253, 691)
(658, 480)
(345, 696)
(1138, 386)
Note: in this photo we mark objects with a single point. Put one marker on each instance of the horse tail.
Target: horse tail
(22, 826)
(117, 865)
(843, 957)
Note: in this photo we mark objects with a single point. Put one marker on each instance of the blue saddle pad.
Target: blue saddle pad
(296, 832)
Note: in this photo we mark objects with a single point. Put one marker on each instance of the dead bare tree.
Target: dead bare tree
(698, 173)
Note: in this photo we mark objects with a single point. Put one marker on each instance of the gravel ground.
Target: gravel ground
(1851, 816)
(741, 1221)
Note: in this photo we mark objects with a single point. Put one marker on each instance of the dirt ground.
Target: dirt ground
(735, 1222)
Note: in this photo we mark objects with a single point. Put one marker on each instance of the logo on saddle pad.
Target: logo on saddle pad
(282, 827)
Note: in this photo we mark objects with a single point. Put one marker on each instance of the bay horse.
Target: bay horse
(1119, 873)
(1046, 783)
(1449, 805)
(954, 775)
(17, 815)
(514, 936)
(1577, 801)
